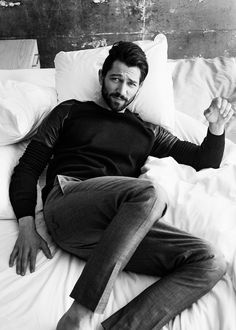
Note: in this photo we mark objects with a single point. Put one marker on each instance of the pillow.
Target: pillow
(22, 108)
(197, 81)
(43, 77)
(77, 78)
(9, 156)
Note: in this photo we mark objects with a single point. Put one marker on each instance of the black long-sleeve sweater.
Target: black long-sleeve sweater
(84, 140)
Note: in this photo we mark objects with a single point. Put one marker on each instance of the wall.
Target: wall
(193, 27)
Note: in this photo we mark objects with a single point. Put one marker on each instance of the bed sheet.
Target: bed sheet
(37, 301)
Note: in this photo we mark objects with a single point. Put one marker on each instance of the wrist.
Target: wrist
(26, 222)
(216, 129)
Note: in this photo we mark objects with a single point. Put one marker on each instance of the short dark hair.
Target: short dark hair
(130, 54)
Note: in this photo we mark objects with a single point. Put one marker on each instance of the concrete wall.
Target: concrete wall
(193, 27)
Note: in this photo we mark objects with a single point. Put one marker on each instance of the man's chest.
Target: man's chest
(105, 134)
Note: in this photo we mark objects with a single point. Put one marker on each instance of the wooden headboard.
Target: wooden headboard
(193, 27)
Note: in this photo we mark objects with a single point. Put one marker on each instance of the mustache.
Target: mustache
(118, 95)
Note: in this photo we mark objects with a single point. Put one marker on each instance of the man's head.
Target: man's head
(122, 74)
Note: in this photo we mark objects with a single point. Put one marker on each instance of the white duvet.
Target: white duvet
(203, 203)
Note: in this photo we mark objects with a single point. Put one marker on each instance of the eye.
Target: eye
(132, 84)
(115, 79)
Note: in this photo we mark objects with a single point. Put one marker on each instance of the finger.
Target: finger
(229, 115)
(46, 250)
(224, 105)
(33, 257)
(18, 263)
(226, 111)
(218, 102)
(207, 112)
(24, 262)
(13, 256)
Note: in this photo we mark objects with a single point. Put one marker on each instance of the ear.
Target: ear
(140, 85)
(139, 88)
(100, 76)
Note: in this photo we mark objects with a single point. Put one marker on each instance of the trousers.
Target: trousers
(114, 223)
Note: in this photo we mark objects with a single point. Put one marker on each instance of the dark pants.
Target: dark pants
(113, 223)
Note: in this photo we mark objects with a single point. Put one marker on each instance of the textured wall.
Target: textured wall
(193, 27)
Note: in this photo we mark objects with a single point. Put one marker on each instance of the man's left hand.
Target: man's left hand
(218, 114)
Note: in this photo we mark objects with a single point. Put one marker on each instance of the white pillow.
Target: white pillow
(9, 156)
(43, 77)
(77, 78)
(22, 108)
(197, 81)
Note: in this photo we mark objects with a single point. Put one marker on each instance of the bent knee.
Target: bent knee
(157, 194)
(218, 262)
(155, 190)
(214, 265)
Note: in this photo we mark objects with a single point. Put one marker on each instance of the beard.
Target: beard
(116, 101)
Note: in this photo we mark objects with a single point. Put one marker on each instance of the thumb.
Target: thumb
(207, 112)
(45, 249)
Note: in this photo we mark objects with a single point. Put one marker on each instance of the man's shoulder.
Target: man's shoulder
(69, 106)
(146, 124)
(69, 103)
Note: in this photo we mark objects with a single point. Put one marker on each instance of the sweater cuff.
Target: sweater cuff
(24, 209)
(215, 141)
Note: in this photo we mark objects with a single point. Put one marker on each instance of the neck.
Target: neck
(101, 102)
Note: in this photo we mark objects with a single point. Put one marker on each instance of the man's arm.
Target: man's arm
(23, 196)
(210, 152)
(23, 189)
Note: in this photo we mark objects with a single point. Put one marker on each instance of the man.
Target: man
(97, 208)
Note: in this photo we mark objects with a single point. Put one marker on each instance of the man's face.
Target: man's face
(120, 85)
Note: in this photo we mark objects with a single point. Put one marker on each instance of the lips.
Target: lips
(118, 98)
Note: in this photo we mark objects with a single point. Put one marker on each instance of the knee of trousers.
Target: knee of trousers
(212, 265)
(218, 262)
(156, 194)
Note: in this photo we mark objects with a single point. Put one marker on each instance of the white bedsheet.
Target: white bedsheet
(36, 301)
(203, 203)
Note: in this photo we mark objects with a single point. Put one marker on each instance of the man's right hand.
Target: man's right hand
(27, 245)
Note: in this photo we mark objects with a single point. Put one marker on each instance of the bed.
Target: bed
(180, 90)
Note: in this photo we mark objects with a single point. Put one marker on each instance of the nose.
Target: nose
(122, 89)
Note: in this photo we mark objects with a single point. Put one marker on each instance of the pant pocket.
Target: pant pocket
(67, 183)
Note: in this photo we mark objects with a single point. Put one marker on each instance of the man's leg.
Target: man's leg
(109, 216)
(188, 266)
